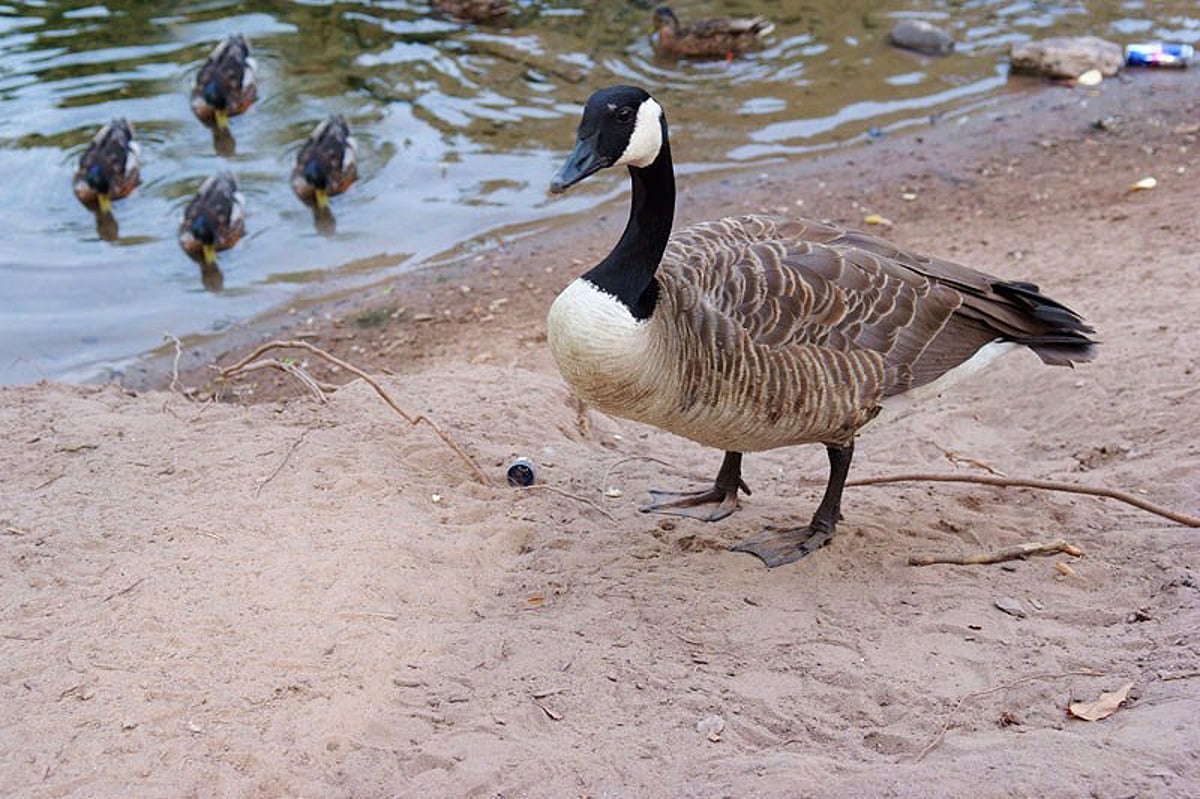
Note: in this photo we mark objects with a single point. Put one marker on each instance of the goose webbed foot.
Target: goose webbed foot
(694, 504)
(708, 505)
(776, 546)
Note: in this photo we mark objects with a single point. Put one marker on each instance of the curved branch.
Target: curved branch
(1044, 485)
(247, 362)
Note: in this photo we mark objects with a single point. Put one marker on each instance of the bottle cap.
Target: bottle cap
(522, 473)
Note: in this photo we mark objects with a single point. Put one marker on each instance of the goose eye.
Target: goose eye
(624, 114)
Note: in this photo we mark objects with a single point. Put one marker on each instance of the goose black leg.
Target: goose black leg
(777, 546)
(709, 505)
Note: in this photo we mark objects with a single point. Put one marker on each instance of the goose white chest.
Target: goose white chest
(606, 355)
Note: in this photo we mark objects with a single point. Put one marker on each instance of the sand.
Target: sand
(266, 596)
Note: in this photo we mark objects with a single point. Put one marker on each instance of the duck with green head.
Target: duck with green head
(327, 164)
(109, 169)
(214, 220)
(226, 84)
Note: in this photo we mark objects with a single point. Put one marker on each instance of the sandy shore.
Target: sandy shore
(275, 597)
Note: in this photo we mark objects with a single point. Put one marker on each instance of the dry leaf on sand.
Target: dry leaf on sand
(1103, 707)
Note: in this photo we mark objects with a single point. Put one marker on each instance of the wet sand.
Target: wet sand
(267, 596)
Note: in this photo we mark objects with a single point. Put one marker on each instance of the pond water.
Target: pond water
(460, 128)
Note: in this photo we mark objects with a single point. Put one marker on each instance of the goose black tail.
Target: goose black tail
(1061, 336)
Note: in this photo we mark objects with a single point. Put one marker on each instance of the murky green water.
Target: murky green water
(460, 128)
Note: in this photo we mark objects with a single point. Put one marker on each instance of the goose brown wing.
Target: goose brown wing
(789, 283)
(1012, 310)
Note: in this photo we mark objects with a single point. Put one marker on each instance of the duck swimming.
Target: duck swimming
(327, 163)
(756, 332)
(226, 84)
(472, 10)
(214, 220)
(718, 37)
(109, 169)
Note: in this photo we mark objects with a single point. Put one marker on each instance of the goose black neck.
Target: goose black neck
(628, 271)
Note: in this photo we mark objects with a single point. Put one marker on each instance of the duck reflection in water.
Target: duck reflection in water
(224, 144)
(106, 226)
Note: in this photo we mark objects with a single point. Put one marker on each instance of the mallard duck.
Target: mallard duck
(326, 165)
(109, 169)
(720, 37)
(225, 85)
(214, 220)
(472, 10)
(756, 332)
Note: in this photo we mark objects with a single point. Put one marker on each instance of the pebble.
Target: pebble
(919, 35)
(1011, 606)
(711, 727)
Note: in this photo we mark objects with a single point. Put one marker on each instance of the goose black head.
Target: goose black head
(621, 126)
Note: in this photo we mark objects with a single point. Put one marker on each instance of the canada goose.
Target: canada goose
(720, 37)
(215, 219)
(472, 10)
(226, 84)
(326, 163)
(755, 332)
(109, 168)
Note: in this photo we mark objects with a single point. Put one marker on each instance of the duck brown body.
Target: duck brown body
(719, 37)
(473, 10)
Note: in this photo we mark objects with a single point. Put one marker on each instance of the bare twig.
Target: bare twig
(125, 590)
(956, 459)
(1044, 485)
(373, 614)
(550, 712)
(937, 739)
(576, 497)
(243, 364)
(49, 482)
(174, 385)
(203, 407)
(292, 369)
(295, 445)
(608, 472)
(1011, 553)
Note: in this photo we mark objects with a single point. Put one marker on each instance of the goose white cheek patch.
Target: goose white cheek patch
(646, 140)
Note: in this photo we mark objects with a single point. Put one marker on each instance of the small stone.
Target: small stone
(919, 35)
(711, 727)
(1011, 606)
